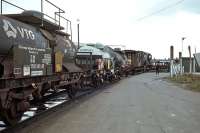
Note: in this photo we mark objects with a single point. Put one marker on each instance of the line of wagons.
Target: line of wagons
(36, 55)
(112, 63)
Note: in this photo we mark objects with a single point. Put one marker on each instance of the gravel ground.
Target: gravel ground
(144, 103)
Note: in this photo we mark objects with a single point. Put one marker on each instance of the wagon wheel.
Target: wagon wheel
(71, 92)
(11, 116)
(45, 88)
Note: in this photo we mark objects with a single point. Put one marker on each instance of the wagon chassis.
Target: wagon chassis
(15, 93)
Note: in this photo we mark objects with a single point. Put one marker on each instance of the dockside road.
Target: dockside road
(143, 103)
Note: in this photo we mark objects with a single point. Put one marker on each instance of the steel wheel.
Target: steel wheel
(11, 116)
(45, 89)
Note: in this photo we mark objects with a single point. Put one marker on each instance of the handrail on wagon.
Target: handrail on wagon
(57, 14)
(9, 4)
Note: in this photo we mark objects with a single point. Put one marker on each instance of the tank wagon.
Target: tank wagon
(124, 66)
(100, 58)
(93, 61)
(35, 55)
(89, 58)
(117, 59)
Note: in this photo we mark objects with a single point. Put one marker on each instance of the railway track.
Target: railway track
(50, 104)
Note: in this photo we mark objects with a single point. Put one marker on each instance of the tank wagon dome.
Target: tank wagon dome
(32, 13)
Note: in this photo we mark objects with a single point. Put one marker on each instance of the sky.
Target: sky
(147, 25)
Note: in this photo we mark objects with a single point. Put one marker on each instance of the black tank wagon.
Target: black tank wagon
(35, 55)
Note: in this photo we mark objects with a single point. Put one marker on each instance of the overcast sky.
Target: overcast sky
(131, 23)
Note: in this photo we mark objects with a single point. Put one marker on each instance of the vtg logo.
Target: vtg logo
(11, 31)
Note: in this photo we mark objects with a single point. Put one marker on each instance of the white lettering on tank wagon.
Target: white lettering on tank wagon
(37, 66)
(31, 49)
(26, 70)
(36, 73)
(32, 58)
(11, 31)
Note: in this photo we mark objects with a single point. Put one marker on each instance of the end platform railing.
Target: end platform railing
(57, 14)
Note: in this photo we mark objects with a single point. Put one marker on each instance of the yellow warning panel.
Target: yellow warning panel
(58, 61)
